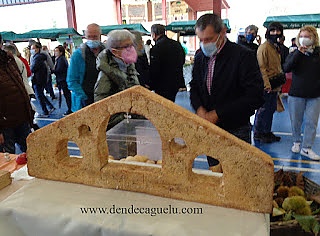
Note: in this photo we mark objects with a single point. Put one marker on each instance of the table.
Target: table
(43, 207)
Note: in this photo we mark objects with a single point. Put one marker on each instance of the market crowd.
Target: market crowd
(231, 81)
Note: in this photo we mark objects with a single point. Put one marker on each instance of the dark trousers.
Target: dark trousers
(62, 85)
(42, 99)
(264, 115)
(16, 135)
(243, 132)
(48, 87)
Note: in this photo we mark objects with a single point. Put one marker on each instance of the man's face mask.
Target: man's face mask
(209, 49)
(250, 38)
(274, 38)
(93, 43)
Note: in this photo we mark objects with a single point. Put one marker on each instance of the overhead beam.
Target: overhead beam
(6, 3)
(71, 14)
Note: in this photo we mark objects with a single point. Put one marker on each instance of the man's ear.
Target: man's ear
(224, 31)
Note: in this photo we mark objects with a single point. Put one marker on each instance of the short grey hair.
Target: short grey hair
(252, 27)
(10, 48)
(138, 38)
(211, 19)
(116, 37)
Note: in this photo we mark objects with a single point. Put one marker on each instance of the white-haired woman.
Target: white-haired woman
(116, 65)
(304, 94)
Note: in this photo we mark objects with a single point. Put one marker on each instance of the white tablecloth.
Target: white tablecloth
(43, 207)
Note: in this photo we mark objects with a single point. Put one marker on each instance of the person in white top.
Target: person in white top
(147, 48)
(22, 68)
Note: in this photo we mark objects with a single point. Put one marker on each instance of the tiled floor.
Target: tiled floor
(280, 151)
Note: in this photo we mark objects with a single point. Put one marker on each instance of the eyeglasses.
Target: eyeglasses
(128, 46)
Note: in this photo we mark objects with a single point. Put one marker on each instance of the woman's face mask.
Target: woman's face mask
(57, 53)
(209, 49)
(305, 41)
(32, 51)
(128, 54)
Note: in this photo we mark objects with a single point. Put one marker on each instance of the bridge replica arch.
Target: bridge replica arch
(246, 182)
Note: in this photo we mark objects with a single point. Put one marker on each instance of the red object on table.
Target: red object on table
(9, 165)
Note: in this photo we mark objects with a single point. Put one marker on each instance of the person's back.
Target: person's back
(284, 50)
(39, 69)
(21, 66)
(15, 109)
(142, 64)
(166, 65)
(185, 47)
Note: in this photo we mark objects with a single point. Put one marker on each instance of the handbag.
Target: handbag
(278, 80)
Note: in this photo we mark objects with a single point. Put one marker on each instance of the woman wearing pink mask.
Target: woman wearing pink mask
(304, 94)
(116, 66)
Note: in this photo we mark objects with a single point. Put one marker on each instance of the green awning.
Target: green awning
(137, 27)
(295, 21)
(187, 27)
(75, 39)
(8, 35)
(52, 34)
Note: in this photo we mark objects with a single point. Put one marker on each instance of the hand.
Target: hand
(258, 38)
(201, 111)
(1, 138)
(212, 116)
(303, 49)
(268, 89)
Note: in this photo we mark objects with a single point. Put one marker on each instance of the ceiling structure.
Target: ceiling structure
(195, 5)
(6, 3)
(207, 5)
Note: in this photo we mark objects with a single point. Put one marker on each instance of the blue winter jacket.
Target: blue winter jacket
(75, 77)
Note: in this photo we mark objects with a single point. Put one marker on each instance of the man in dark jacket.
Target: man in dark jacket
(166, 64)
(39, 78)
(227, 86)
(15, 110)
(247, 40)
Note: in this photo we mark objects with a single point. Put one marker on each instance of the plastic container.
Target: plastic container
(134, 137)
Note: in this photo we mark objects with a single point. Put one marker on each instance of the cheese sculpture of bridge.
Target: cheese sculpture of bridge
(246, 182)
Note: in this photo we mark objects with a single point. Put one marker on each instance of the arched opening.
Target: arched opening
(134, 139)
(201, 163)
(73, 149)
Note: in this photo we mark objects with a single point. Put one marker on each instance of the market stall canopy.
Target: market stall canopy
(52, 34)
(8, 35)
(295, 21)
(137, 27)
(187, 27)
